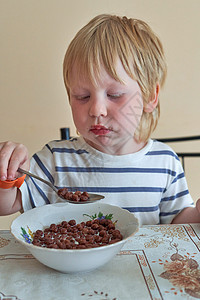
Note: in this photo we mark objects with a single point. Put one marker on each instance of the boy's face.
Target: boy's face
(107, 114)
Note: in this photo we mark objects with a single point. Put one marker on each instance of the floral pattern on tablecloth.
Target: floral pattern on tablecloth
(181, 270)
(3, 242)
(163, 232)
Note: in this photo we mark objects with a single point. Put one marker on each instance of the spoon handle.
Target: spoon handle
(92, 197)
(39, 178)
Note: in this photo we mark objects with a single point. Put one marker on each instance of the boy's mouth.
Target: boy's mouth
(99, 129)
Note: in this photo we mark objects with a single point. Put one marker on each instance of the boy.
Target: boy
(113, 71)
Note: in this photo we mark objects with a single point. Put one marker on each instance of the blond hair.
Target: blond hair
(107, 38)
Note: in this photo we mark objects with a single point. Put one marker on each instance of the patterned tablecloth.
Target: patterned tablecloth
(159, 262)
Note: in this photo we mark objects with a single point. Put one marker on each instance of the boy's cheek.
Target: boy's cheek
(130, 114)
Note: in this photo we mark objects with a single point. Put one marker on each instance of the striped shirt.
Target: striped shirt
(149, 183)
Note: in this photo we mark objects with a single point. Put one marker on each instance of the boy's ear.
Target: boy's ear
(151, 105)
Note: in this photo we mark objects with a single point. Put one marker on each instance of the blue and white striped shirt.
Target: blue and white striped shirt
(149, 183)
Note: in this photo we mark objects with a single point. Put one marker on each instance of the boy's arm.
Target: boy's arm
(188, 215)
(10, 201)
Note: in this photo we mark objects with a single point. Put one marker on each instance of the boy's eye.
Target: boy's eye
(83, 97)
(114, 95)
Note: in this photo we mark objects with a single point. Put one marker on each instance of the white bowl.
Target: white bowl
(76, 260)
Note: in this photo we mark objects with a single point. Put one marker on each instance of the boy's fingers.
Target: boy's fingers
(6, 150)
(12, 155)
(18, 159)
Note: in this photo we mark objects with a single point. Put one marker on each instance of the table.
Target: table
(159, 262)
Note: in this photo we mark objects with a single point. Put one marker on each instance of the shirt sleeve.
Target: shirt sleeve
(176, 196)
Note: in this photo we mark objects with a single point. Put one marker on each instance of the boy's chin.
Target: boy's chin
(110, 146)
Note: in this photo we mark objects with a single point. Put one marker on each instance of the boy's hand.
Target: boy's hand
(198, 205)
(12, 156)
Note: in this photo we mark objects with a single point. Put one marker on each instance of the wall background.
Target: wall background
(34, 37)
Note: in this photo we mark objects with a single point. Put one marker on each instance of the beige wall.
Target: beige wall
(34, 36)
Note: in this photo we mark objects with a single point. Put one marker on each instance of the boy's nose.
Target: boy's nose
(98, 108)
